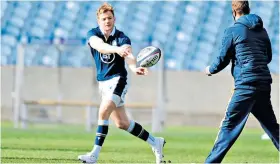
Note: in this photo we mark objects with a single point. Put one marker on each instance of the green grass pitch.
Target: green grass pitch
(62, 144)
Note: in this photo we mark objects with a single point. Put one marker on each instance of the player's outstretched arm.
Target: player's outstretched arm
(131, 61)
(105, 48)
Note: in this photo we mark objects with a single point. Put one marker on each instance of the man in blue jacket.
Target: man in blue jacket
(247, 45)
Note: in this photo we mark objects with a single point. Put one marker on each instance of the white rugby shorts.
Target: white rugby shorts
(114, 89)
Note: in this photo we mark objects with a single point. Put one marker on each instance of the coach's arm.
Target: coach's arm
(225, 54)
(104, 48)
(268, 48)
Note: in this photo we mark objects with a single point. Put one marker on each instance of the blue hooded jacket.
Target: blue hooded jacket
(247, 45)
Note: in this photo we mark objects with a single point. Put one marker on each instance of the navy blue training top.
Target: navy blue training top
(247, 46)
(109, 65)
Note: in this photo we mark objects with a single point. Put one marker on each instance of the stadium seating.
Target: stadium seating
(189, 32)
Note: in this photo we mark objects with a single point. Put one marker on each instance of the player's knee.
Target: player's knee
(104, 114)
(105, 111)
(122, 124)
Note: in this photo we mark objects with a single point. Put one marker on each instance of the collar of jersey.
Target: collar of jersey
(112, 33)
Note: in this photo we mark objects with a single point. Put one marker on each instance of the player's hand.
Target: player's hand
(128, 49)
(123, 51)
(141, 71)
(207, 71)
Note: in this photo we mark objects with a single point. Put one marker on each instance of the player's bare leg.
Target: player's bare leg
(105, 110)
(121, 120)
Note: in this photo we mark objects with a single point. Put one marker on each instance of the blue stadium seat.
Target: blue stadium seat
(48, 61)
(211, 38)
(135, 35)
(82, 32)
(24, 5)
(73, 7)
(189, 20)
(4, 5)
(17, 21)
(169, 8)
(69, 15)
(12, 30)
(189, 32)
(4, 60)
(202, 56)
(66, 24)
(88, 24)
(37, 32)
(121, 12)
(145, 6)
(41, 23)
(172, 64)
(141, 16)
(74, 57)
(197, 65)
(20, 12)
(5, 50)
(160, 37)
(8, 40)
(206, 46)
(216, 11)
(274, 66)
(11, 59)
(182, 47)
(50, 6)
(45, 14)
(60, 33)
(29, 57)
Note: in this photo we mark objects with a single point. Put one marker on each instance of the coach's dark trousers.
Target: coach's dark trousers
(241, 104)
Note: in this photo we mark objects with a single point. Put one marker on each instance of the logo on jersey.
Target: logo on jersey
(107, 58)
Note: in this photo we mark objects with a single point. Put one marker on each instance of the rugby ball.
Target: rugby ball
(148, 56)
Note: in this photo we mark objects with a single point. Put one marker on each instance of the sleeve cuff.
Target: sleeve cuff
(211, 70)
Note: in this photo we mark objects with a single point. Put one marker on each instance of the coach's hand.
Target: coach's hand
(140, 71)
(207, 71)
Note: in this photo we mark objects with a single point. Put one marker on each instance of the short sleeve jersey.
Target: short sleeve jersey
(109, 65)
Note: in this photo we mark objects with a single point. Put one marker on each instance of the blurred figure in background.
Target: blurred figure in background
(110, 49)
(247, 45)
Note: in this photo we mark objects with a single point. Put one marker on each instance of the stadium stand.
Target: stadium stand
(189, 32)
